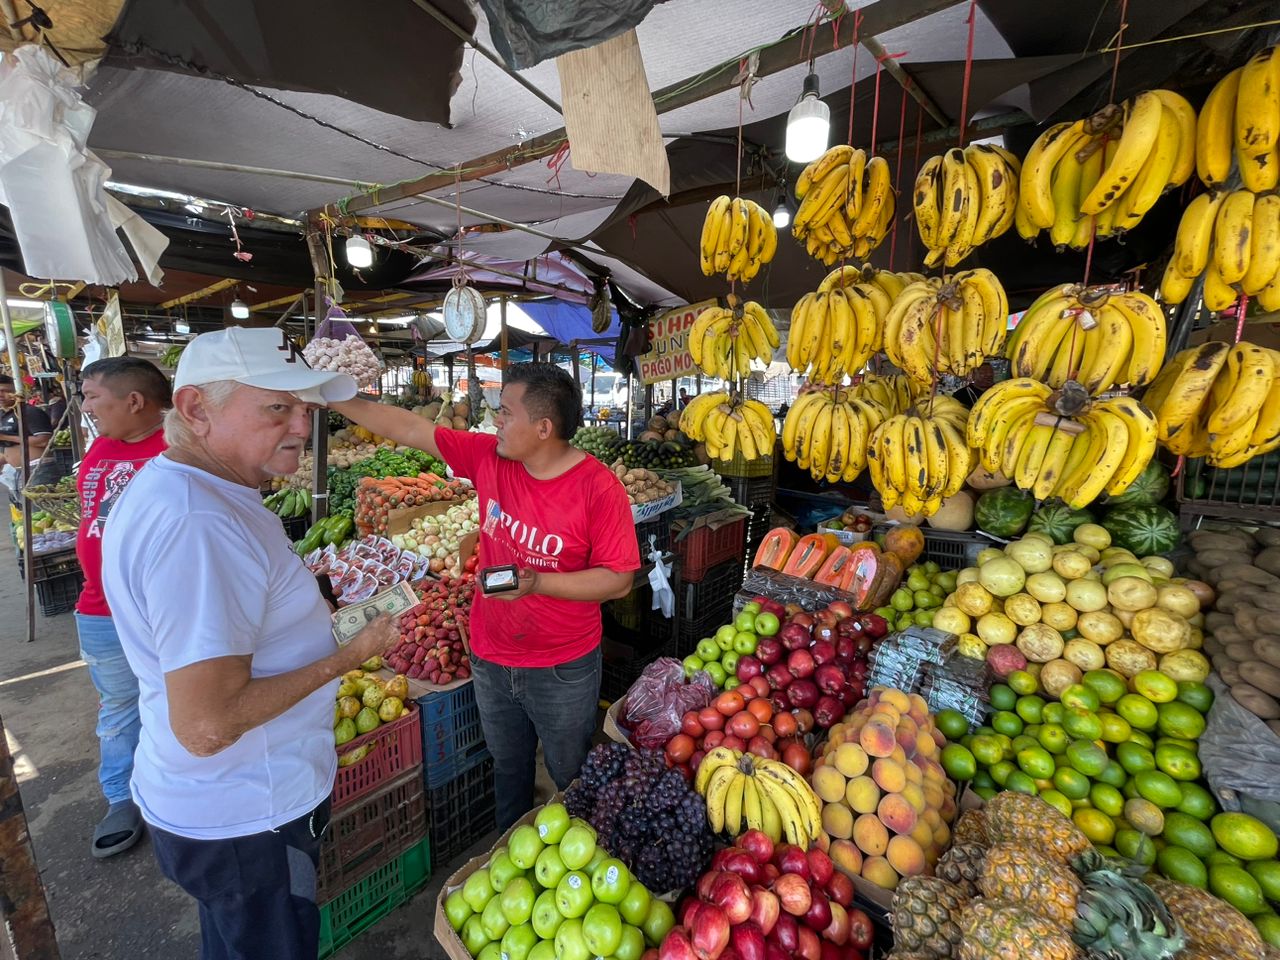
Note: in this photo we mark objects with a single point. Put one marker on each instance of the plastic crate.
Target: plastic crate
(46, 566)
(704, 548)
(621, 665)
(354, 911)
(707, 604)
(295, 528)
(740, 467)
(1250, 491)
(461, 811)
(59, 595)
(751, 491)
(653, 533)
(452, 737)
(371, 833)
(399, 747)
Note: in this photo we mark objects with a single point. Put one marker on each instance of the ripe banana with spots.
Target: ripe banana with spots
(947, 327)
(744, 791)
(826, 432)
(738, 238)
(1240, 121)
(964, 198)
(921, 457)
(723, 341)
(1233, 238)
(728, 426)
(836, 329)
(847, 204)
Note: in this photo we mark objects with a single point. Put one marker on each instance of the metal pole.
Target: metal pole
(629, 405)
(28, 560)
(505, 338)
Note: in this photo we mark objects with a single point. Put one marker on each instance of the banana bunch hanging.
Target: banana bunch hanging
(920, 457)
(1233, 238)
(827, 431)
(1240, 120)
(724, 340)
(738, 238)
(846, 205)
(950, 326)
(964, 198)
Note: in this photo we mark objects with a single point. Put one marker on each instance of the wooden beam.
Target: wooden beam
(208, 291)
(277, 302)
(793, 49)
(905, 80)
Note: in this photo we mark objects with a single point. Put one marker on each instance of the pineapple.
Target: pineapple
(1019, 875)
(1032, 823)
(971, 828)
(924, 912)
(1213, 926)
(994, 930)
(962, 865)
(1118, 917)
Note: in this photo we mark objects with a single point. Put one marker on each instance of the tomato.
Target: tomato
(743, 725)
(761, 709)
(734, 743)
(729, 703)
(713, 740)
(797, 757)
(690, 724)
(760, 685)
(784, 724)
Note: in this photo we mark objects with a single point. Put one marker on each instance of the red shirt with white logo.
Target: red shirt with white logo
(576, 521)
(105, 471)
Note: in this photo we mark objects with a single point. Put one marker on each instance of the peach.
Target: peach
(889, 776)
(906, 856)
(932, 817)
(942, 836)
(846, 855)
(896, 813)
(870, 835)
(878, 871)
(939, 738)
(897, 754)
(862, 795)
(918, 707)
(932, 796)
(828, 784)
(906, 734)
(948, 810)
(914, 795)
(877, 739)
(835, 738)
(913, 774)
(899, 700)
(885, 714)
(851, 760)
(922, 834)
(925, 745)
(837, 820)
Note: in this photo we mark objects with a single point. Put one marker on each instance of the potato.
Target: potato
(1214, 620)
(1248, 573)
(1129, 658)
(1275, 728)
(1267, 649)
(1246, 616)
(1267, 601)
(1231, 634)
(1215, 559)
(1212, 540)
(1196, 568)
(1229, 672)
(1239, 652)
(1262, 675)
(1268, 560)
(1229, 599)
(1211, 647)
(1261, 705)
(1267, 536)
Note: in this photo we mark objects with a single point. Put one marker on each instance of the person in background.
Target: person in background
(125, 398)
(233, 648)
(979, 382)
(39, 428)
(57, 405)
(684, 398)
(562, 518)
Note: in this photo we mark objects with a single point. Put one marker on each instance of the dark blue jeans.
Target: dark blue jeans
(257, 894)
(520, 706)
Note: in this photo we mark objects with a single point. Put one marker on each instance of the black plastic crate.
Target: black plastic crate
(50, 565)
(295, 528)
(651, 533)
(949, 549)
(1249, 491)
(707, 605)
(59, 594)
(751, 491)
(64, 459)
(461, 811)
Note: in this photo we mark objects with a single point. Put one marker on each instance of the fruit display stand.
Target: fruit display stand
(949, 549)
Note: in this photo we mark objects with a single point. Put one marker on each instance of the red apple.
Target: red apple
(650, 954)
(778, 700)
(803, 693)
(793, 894)
(818, 916)
(791, 859)
(802, 619)
(728, 953)
(734, 743)
(821, 869)
(827, 712)
(809, 946)
(764, 909)
(749, 667)
(677, 946)
(786, 933)
(830, 951)
(688, 907)
(793, 637)
(801, 664)
(758, 844)
(769, 873)
(779, 676)
(861, 932)
(710, 932)
(841, 609)
(707, 879)
(769, 651)
(840, 889)
(748, 940)
(823, 651)
(838, 929)
(729, 892)
(774, 952)
(829, 677)
(761, 747)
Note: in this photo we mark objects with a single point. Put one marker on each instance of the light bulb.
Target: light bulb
(359, 253)
(808, 125)
(781, 215)
(181, 326)
(239, 309)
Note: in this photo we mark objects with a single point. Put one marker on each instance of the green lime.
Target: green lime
(1053, 738)
(958, 762)
(1135, 846)
(1079, 696)
(1144, 816)
(1154, 685)
(1158, 787)
(1178, 762)
(1183, 830)
(1244, 836)
(1113, 775)
(1179, 720)
(1073, 784)
(1053, 713)
(1115, 728)
(1007, 722)
(1134, 758)
(1002, 697)
(1267, 873)
(1107, 799)
(986, 750)
(1142, 739)
(1022, 682)
(1036, 762)
(983, 779)
(1268, 925)
(1006, 745)
(1082, 724)
(1056, 799)
(1220, 856)
(1024, 740)
(1180, 864)
(1019, 782)
(952, 723)
(1030, 708)
(1138, 710)
(1087, 757)
(1108, 686)
(1195, 694)
(1197, 801)
(1001, 771)
(1238, 887)
(1094, 824)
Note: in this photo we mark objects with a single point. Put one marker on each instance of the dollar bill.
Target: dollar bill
(349, 621)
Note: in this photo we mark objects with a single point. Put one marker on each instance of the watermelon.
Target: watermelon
(1145, 530)
(1151, 487)
(1004, 512)
(1058, 521)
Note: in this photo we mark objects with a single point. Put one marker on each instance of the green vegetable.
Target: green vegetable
(1004, 512)
(1145, 530)
(1058, 521)
(1150, 488)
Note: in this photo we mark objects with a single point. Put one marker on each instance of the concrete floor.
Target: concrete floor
(122, 907)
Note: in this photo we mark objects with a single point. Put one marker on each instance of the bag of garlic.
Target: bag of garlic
(338, 347)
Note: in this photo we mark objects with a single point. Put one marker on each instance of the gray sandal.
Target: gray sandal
(119, 830)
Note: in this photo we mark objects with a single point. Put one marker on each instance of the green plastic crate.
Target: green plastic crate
(354, 911)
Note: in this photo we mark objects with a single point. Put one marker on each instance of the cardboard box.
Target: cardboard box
(612, 729)
(401, 521)
(641, 512)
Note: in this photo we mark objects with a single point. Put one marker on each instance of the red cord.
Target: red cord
(1115, 67)
(853, 83)
(902, 132)
(1242, 305)
(1088, 256)
(968, 74)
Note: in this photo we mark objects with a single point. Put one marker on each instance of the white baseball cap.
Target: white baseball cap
(258, 357)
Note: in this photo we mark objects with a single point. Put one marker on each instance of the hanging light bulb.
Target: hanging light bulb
(781, 215)
(239, 309)
(808, 124)
(359, 252)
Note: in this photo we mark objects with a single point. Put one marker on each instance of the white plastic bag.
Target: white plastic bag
(664, 598)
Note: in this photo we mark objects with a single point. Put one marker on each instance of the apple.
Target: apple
(774, 952)
(602, 929)
(840, 889)
(786, 933)
(803, 693)
(692, 664)
(861, 932)
(635, 905)
(794, 637)
(827, 712)
(710, 931)
(578, 846)
(715, 670)
(767, 624)
(764, 909)
(800, 663)
(610, 881)
(705, 881)
(818, 916)
(725, 635)
(524, 846)
(754, 606)
(841, 609)
(658, 922)
(573, 894)
(730, 662)
(746, 620)
(809, 946)
(738, 861)
(552, 821)
(502, 870)
(758, 844)
(769, 650)
(779, 676)
(473, 936)
(837, 930)
(709, 649)
(549, 869)
(477, 890)
(793, 893)
(823, 651)
(677, 946)
(789, 858)
(801, 618)
(748, 940)
(457, 910)
(546, 917)
(493, 921)
(829, 678)
(748, 667)
(729, 892)
(829, 951)
(745, 642)
(517, 942)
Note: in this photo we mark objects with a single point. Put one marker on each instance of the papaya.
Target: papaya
(906, 541)
(832, 571)
(807, 557)
(860, 574)
(775, 548)
(890, 574)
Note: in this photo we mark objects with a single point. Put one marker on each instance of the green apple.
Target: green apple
(546, 918)
(518, 941)
(716, 672)
(730, 662)
(573, 894)
(516, 901)
(602, 929)
(597, 858)
(569, 942)
(732, 683)
(610, 881)
(491, 951)
(493, 920)
(752, 607)
(578, 845)
(766, 625)
(457, 910)
(549, 868)
(709, 649)
(744, 621)
(692, 664)
(634, 907)
(502, 870)
(745, 643)
(631, 946)
(473, 936)
(543, 950)
(524, 846)
(477, 890)
(658, 923)
(552, 821)
(725, 635)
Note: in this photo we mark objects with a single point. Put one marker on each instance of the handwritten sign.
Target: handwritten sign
(669, 356)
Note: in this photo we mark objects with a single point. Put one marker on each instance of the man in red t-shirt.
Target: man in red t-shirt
(563, 519)
(126, 398)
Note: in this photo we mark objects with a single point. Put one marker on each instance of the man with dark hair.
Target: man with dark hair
(125, 398)
(562, 518)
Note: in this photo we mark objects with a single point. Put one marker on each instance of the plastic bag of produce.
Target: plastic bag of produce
(337, 346)
(1241, 758)
(660, 698)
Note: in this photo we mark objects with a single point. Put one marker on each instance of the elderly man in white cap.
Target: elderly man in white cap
(231, 642)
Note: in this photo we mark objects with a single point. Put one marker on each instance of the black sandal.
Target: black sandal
(119, 830)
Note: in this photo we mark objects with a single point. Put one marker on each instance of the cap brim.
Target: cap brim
(319, 386)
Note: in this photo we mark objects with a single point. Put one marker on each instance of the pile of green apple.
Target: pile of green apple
(552, 894)
(923, 589)
(718, 655)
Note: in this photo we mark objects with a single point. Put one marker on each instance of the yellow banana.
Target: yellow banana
(1250, 369)
(1194, 240)
(1065, 191)
(1142, 126)
(1231, 247)
(1215, 130)
(1264, 245)
(1188, 393)
(926, 201)
(1184, 115)
(1034, 193)
(1053, 463)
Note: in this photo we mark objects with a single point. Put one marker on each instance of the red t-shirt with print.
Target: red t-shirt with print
(105, 471)
(576, 521)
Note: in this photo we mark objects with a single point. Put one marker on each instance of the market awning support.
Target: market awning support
(11, 343)
(320, 419)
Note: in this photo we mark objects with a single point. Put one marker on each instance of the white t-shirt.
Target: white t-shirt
(194, 568)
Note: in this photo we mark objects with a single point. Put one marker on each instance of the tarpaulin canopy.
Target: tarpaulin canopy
(572, 321)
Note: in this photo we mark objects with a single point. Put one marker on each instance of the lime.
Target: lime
(1160, 788)
(958, 762)
(1176, 742)
(986, 793)
(1007, 722)
(1134, 758)
(1180, 864)
(1000, 773)
(1177, 761)
(1036, 762)
(1073, 784)
(1002, 697)
(1053, 713)
(1107, 799)
(1082, 724)
(1024, 740)
(1006, 745)
(1183, 830)
(952, 723)
(1154, 685)
(1053, 738)
(1179, 720)
(1238, 887)
(1115, 728)
(1197, 801)
(1057, 800)
(1267, 873)
(986, 750)
(1094, 824)
(983, 779)
(1113, 775)
(1195, 694)
(1030, 708)
(1108, 685)
(1142, 739)
(1139, 711)
(1135, 846)
(1078, 695)
(1087, 757)
(1221, 856)
(1019, 782)
(1244, 836)
(1022, 682)
(1268, 925)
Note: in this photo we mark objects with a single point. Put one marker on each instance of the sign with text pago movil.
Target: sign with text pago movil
(669, 356)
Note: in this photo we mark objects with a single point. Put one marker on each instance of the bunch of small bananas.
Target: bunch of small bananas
(738, 238)
(724, 340)
(846, 205)
(963, 199)
(1233, 238)
(1241, 118)
(1059, 443)
(895, 393)
(921, 457)
(1104, 173)
(726, 427)
(1219, 401)
(1090, 334)
(746, 792)
(835, 332)
(826, 432)
(947, 327)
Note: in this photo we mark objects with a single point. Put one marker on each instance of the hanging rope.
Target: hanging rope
(968, 74)
(853, 82)
(875, 108)
(897, 177)
(1115, 67)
